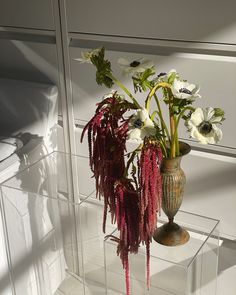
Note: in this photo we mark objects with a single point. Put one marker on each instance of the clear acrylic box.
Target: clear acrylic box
(189, 269)
(52, 225)
(53, 229)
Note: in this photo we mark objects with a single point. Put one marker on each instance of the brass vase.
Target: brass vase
(173, 183)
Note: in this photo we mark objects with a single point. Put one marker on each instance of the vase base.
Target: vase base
(171, 234)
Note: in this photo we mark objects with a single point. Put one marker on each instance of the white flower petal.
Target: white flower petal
(190, 87)
(123, 61)
(147, 128)
(110, 94)
(177, 84)
(196, 118)
(180, 89)
(218, 134)
(149, 123)
(86, 56)
(217, 119)
(146, 63)
(196, 95)
(82, 60)
(129, 67)
(135, 134)
(139, 69)
(197, 135)
(214, 136)
(172, 71)
(175, 92)
(129, 70)
(143, 114)
(183, 95)
(208, 114)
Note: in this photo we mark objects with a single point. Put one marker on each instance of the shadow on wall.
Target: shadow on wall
(38, 65)
(28, 111)
(36, 227)
(218, 180)
(28, 60)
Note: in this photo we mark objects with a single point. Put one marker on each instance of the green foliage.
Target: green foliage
(140, 80)
(172, 77)
(179, 104)
(169, 88)
(159, 133)
(103, 69)
(219, 113)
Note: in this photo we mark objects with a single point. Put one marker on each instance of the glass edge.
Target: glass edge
(80, 202)
(201, 216)
(107, 237)
(203, 244)
(4, 183)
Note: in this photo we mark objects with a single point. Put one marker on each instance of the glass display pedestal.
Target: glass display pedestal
(52, 224)
(189, 269)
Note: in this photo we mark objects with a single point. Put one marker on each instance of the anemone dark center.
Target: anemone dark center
(205, 127)
(161, 74)
(138, 124)
(185, 90)
(134, 64)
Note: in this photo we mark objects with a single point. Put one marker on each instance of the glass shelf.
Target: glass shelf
(189, 269)
(53, 228)
(53, 233)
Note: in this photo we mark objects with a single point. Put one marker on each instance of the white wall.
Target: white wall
(38, 42)
(195, 39)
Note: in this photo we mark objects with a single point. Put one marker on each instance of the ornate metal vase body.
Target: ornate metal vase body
(173, 183)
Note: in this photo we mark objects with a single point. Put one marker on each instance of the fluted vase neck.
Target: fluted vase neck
(172, 164)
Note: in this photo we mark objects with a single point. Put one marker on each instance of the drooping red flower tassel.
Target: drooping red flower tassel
(128, 214)
(107, 132)
(151, 193)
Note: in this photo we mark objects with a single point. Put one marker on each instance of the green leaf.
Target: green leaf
(172, 77)
(219, 113)
(103, 69)
(179, 104)
(140, 80)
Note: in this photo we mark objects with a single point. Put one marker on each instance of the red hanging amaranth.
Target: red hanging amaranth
(107, 132)
(150, 182)
(128, 215)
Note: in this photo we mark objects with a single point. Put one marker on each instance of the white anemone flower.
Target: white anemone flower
(141, 125)
(202, 125)
(185, 90)
(163, 77)
(134, 66)
(86, 56)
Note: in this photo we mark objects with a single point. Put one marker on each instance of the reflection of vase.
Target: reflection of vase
(173, 182)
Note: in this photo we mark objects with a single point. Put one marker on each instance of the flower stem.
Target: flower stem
(164, 128)
(163, 125)
(172, 131)
(175, 135)
(176, 138)
(124, 89)
(172, 127)
(182, 113)
(163, 145)
(131, 159)
(153, 91)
